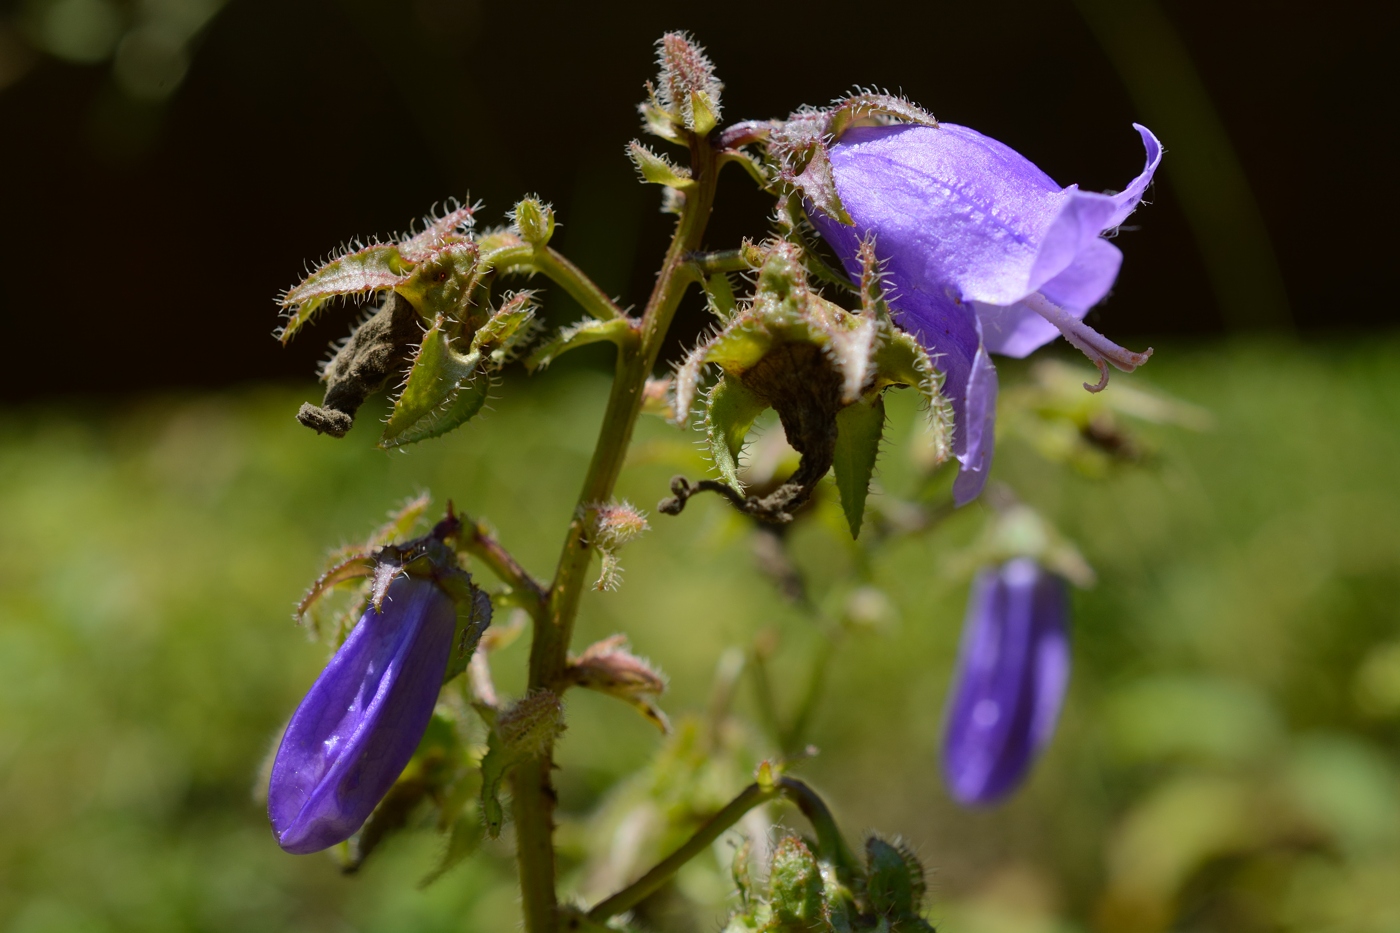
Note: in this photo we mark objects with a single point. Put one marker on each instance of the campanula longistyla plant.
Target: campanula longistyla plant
(954, 247)
(982, 252)
(1012, 672)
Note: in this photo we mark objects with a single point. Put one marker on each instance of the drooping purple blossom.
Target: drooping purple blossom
(983, 253)
(362, 720)
(1012, 672)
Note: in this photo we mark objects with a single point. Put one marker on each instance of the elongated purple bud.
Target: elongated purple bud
(1012, 672)
(358, 727)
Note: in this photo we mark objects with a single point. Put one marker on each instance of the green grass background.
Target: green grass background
(1229, 758)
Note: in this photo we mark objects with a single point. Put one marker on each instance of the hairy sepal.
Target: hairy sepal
(859, 428)
(371, 269)
(444, 389)
(617, 330)
(730, 411)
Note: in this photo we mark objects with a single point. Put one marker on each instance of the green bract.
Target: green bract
(821, 367)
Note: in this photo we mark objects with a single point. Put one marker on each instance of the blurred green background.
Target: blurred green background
(1228, 759)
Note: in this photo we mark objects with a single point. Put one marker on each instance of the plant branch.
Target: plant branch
(830, 845)
(474, 539)
(552, 264)
(533, 795)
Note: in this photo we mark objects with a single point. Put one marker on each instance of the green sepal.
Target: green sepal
(444, 390)
(441, 285)
(901, 360)
(473, 618)
(866, 107)
(730, 411)
(493, 772)
(617, 330)
(464, 839)
(506, 330)
(658, 122)
(818, 184)
(371, 269)
(895, 884)
(702, 114)
(720, 294)
(859, 427)
(657, 169)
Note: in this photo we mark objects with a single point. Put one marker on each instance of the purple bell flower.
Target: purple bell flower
(1012, 672)
(358, 727)
(983, 253)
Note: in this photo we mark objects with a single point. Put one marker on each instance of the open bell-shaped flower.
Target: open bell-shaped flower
(983, 252)
(1012, 672)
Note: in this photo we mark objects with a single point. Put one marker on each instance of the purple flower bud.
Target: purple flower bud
(982, 253)
(358, 727)
(1012, 672)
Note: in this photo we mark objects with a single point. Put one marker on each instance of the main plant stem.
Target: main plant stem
(533, 789)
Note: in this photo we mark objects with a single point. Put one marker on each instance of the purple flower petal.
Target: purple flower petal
(363, 718)
(1012, 673)
(1126, 201)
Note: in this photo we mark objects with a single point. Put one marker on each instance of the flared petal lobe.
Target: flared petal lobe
(1013, 669)
(362, 720)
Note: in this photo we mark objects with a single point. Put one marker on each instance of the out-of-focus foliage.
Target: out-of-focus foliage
(1229, 758)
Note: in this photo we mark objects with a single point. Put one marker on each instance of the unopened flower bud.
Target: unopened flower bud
(1012, 673)
(359, 725)
(795, 888)
(535, 221)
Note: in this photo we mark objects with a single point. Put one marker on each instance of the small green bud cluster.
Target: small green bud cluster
(612, 525)
(806, 894)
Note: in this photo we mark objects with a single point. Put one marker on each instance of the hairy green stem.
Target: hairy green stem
(533, 793)
(830, 845)
(476, 540)
(522, 257)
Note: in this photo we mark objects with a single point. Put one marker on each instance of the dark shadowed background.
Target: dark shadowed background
(168, 168)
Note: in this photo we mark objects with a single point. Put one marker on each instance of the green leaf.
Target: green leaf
(373, 268)
(729, 414)
(444, 389)
(858, 430)
(617, 330)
